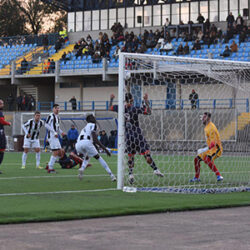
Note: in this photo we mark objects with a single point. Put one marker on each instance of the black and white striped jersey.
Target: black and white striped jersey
(53, 125)
(33, 128)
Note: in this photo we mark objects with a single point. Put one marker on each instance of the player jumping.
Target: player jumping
(210, 153)
(86, 145)
(31, 129)
(135, 141)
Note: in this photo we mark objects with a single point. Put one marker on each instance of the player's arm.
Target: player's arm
(111, 106)
(97, 142)
(3, 122)
(212, 141)
(146, 105)
(25, 129)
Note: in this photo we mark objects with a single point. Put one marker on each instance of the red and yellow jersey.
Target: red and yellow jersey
(212, 135)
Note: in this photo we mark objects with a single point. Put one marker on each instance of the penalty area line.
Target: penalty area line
(58, 192)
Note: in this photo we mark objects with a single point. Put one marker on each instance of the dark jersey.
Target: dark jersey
(67, 162)
(1, 116)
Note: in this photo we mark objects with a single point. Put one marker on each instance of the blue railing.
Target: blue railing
(155, 104)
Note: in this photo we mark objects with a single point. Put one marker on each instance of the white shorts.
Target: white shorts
(86, 147)
(28, 143)
(54, 143)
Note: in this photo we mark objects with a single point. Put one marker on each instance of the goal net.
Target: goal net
(173, 129)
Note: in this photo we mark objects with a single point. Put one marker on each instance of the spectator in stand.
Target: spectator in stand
(207, 25)
(85, 51)
(96, 58)
(160, 43)
(197, 45)
(77, 46)
(242, 37)
(234, 47)
(116, 53)
(10, 101)
(179, 50)
(186, 49)
(112, 139)
(229, 35)
(200, 35)
(73, 102)
(167, 22)
(213, 28)
(230, 20)
(24, 65)
(58, 45)
(45, 43)
(52, 66)
(193, 97)
(46, 66)
(104, 139)
(167, 47)
(107, 56)
(19, 102)
(239, 24)
(226, 52)
(25, 103)
(200, 18)
(89, 39)
(72, 136)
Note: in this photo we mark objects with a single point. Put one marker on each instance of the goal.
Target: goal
(174, 130)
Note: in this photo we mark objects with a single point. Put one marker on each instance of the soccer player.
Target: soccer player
(210, 153)
(53, 126)
(31, 129)
(135, 141)
(86, 145)
(2, 135)
(70, 161)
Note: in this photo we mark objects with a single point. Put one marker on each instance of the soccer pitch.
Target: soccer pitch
(33, 195)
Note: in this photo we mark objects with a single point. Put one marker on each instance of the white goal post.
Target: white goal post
(174, 131)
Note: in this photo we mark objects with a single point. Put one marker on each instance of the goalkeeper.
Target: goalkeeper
(135, 141)
(210, 153)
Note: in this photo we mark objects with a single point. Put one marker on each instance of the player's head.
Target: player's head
(129, 98)
(206, 118)
(1, 104)
(37, 115)
(56, 109)
(90, 119)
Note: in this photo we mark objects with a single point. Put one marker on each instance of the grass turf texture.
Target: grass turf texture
(17, 206)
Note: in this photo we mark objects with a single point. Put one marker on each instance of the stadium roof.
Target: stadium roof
(79, 5)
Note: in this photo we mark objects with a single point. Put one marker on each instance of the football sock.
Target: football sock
(105, 165)
(52, 161)
(197, 166)
(84, 164)
(24, 158)
(211, 165)
(1, 157)
(130, 170)
(152, 165)
(38, 157)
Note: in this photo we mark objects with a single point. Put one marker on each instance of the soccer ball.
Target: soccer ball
(127, 75)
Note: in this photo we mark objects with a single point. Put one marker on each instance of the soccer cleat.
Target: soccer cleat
(51, 171)
(158, 173)
(23, 167)
(47, 167)
(39, 167)
(195, 180)
(219, 178)
(113, 178)
(80, 175)
(131, 179)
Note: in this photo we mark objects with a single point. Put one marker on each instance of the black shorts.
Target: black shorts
(2, 140)
(136, 143)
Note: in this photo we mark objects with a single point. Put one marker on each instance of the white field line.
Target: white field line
(50, 176)
(58, 192)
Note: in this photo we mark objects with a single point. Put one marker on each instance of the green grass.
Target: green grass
(18, 203)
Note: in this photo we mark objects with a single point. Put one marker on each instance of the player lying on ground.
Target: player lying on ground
(2, 135)
(31, 129)
(135, 141)
(210, 153)
(70, 161)
(85, 145)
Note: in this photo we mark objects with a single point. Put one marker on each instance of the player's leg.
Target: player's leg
(105, 166)
(209, 160)
(38, 158)
(24, 157)
(56, 152)
(152, 164)
(131, 163)
(197, 166)
(2, 147)
(1, 157)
